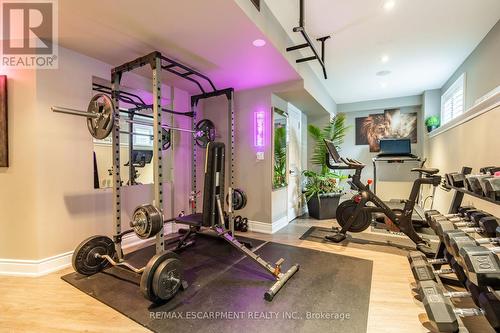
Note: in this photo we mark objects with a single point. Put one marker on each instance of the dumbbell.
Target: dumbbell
(429, 286)
(422, 270)
(471, 219)
(443, 316)
(486, 226)
(463, 214)
(474, 289)
(460, 212)
(464, 221)
(417, 255)
(454, 240)
(481, 265)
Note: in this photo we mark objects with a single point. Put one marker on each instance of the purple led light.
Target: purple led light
(259, 128)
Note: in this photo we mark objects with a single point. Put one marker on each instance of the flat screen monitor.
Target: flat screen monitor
(332, 150)
(395, 146)
(142, 157)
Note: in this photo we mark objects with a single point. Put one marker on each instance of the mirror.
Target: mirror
(280, 148)
(136, 140)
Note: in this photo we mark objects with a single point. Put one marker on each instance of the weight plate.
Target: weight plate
(346, 209)
(84, 257)
(204, 133)
(103, 106)
(147, 221)
(167, 279)
(146, 285)
(239, 199)
(165, 133)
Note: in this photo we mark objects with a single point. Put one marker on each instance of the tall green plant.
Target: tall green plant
(334, 131)
(279, 177)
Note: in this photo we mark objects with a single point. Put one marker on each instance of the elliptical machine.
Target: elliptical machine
(355, 215)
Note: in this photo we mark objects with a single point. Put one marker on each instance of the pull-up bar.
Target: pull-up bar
(308, 43)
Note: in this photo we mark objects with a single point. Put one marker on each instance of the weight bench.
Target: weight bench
(212, 218)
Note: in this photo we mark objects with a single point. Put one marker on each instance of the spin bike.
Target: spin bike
(355, 215)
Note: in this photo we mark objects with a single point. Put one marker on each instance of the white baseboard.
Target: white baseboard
(34, 268)
(268, 228)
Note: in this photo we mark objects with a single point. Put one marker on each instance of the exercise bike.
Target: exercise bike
(355, 215)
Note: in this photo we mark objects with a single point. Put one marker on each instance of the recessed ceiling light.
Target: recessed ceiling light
(259, 42)
(383, 73)
(383, 85)
(384, 58)
(389, 5)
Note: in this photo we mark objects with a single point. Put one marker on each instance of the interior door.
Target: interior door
(294, 162)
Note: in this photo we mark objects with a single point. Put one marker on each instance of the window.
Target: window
(452, 101)
(145, 135)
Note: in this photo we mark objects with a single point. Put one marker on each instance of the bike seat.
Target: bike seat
(427, 171)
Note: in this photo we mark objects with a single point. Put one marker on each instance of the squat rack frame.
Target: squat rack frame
(158, 62)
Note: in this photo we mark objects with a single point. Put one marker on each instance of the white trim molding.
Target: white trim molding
(488, 102)
(268, 228)
(34, 268)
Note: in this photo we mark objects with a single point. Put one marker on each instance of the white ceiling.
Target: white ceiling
(215, 37)
(425, 40)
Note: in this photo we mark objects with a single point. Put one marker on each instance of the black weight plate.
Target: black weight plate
(84, 260)
(102, 105)
(167, 279)
(345, 210)
(148, 274)
(239, 199)
(207, 129)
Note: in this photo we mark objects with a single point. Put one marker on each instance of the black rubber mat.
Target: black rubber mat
(330, 293)
(379, 240)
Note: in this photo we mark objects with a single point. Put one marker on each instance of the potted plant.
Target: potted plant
(432, 123)
(322, 194)
(322, 189)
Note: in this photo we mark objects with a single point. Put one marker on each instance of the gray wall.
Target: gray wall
(481, 67)
(451, 150)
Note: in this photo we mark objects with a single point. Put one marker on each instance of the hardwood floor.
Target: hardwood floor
(48, 304)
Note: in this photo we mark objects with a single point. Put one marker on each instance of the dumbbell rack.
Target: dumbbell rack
(473, 268)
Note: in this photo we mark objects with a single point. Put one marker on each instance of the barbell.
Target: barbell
(100, 121)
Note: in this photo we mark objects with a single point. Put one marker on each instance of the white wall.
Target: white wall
(18, 238)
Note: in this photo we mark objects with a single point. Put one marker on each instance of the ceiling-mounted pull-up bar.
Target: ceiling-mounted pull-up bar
(308, 43)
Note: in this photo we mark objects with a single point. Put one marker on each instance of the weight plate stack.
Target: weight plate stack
(147, 221)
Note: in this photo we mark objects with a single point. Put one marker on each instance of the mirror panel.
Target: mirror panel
(280, 148)
(136, 142)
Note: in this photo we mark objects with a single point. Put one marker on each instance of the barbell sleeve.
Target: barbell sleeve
(74, 112)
